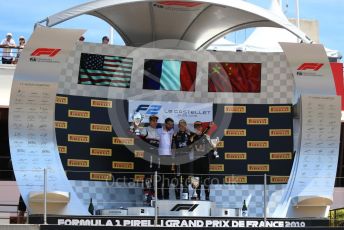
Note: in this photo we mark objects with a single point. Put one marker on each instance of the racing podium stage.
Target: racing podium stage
(177, 208)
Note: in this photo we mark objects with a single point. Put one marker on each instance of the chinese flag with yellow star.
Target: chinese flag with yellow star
(234, 77)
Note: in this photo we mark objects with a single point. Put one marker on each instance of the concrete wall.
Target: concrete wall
(309, 27)
(338, 198)
(9, 195)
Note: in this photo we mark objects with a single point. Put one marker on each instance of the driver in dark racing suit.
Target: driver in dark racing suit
(202, 150)
(181, 145)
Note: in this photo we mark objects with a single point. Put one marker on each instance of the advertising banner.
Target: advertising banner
(80, 222)
(31, 117)
(190, 112)
(310, 67)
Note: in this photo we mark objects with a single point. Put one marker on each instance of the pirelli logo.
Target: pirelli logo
(122, 141)
(235, 156)
(279, 179)
(101, 103)
(139, 154)
(122, 165)
(258, 168)
(78, 163)
(100, 176)
(281, 156)
(78, 138)
(280, 109)
(139, 177)
(61, 124)
(61, 100)
(257, 144)
(280, 132)
(78, 113)
(257, 121)
(101, 127)
(220, 145)
(235, 132)
(101, 152)
(235, 109)
(236, 179)
(62, 149)
(216, 167)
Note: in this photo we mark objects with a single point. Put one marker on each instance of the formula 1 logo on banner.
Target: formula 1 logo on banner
(47, 53)
(309, 69)
(51, 52)
(188, 207)
(310, 66)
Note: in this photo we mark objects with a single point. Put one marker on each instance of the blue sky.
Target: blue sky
(19, 17)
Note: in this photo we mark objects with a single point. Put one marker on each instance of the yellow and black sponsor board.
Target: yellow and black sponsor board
(216, 167)
(220, 145)
(279, 179)
(235, 179)
(101, 152)
(257, 121)
(139, 177)
(101, 103)
(258, 167)
(280, 109)
(258, 144)
(122, 165)
(62, 148)
(79, 113)
(139, 154)
(280, 132)
(78, 163)
(100, 176)
(235, 132)
(281, 156)
(236, 156)
(235, 109)
(61, 100)
(101, 127)
(122, 141)
(61, 124)
(78, 138)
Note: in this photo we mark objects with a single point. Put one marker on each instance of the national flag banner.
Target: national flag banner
(103, 70)
(169, 75)
(234, 77)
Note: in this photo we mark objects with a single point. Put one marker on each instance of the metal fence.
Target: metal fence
(14, 53)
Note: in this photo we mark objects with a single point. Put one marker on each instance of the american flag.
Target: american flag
(105, 70)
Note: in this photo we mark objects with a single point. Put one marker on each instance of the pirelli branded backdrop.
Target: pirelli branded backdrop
(94, 142)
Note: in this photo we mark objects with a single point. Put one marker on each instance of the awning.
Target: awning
(199, 23)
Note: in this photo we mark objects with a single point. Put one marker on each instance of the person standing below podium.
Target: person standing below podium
(165, 164)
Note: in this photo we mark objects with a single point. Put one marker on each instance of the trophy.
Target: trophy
(137, 118)
(195, 185)
(214, 143)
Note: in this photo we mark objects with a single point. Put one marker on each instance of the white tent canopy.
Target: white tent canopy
(199, 23)
(266, 39)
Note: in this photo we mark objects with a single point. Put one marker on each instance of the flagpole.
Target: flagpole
(297, 13)
(111, 35)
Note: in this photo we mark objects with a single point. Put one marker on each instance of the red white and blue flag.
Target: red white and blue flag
(105, 70)
(169, 75)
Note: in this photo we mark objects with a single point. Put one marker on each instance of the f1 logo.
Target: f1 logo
(51, 52)
(189, 207)
(150, 109)
(310, 66)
